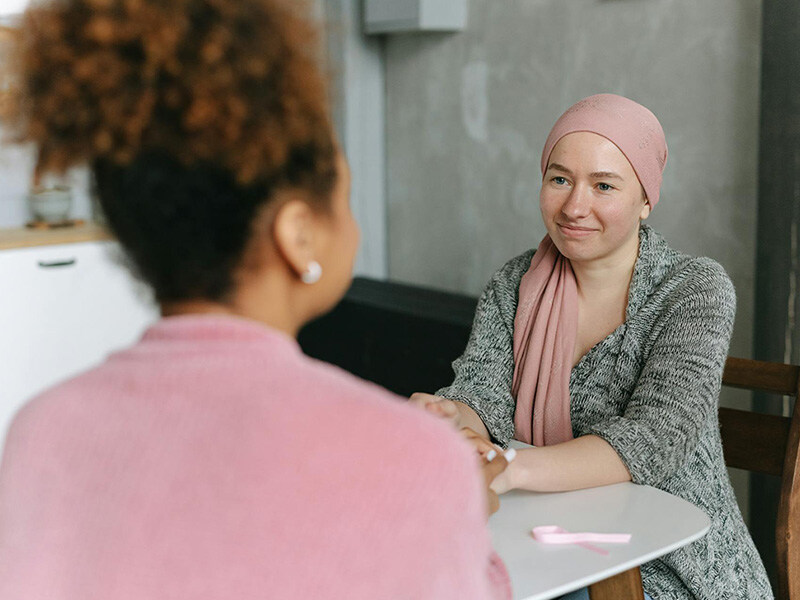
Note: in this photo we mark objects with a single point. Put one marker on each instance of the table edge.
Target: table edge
(617, 569)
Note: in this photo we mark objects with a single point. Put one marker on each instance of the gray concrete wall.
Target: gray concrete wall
(468, 113)
(355, 62)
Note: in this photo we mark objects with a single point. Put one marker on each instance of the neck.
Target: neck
(609, 275)
(268, 303)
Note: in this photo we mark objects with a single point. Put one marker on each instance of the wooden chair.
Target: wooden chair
(769, 444)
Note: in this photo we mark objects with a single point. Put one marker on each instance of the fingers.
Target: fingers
(502, 483)
(493, 468)
(436, 405)
(429, 402)
(440, 409)
(447, 408)
(492, 501)
(423, 400)
(481, 444)
(494, 463)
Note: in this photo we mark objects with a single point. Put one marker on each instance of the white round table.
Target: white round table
(658, 522)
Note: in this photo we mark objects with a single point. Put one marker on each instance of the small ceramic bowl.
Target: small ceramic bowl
(51, 205)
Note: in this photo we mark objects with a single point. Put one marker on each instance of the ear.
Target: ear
(646, 208)
(294, 231)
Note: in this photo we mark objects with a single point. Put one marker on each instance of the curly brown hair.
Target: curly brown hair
(173, 102)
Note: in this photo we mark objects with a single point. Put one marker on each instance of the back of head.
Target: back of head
(192, 114)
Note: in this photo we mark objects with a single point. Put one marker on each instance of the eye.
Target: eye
(604, 187)
(558, 180)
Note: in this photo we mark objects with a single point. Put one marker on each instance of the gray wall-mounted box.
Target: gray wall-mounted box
(393, 16)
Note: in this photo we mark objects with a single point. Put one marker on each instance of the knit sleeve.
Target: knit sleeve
(677, 394)
(484, 372)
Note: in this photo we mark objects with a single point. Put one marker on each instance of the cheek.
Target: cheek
(612, 211)
(348, 236)
(621, 217)
(548, 203)
(349, 226)
(355, 235)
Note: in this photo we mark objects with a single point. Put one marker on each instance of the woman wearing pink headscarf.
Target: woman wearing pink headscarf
(605, 348)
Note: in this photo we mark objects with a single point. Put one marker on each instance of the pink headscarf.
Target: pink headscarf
(546, 323)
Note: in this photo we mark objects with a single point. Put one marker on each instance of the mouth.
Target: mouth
(575, 231)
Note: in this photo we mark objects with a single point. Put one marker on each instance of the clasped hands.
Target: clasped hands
(493, 462)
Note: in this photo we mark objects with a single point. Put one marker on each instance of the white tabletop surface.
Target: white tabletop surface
(658, 522)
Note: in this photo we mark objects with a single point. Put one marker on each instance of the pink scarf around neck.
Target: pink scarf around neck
(545, 333)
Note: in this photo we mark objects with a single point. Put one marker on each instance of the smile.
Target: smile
(571, 231)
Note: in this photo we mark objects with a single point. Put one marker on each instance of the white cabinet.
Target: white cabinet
(63, 309)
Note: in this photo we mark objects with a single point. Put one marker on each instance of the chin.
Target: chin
(579, 257)
(574, 249)
(576, 252)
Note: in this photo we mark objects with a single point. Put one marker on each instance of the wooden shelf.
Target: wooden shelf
(25, 238)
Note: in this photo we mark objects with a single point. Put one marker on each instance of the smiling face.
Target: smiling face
(591, 200)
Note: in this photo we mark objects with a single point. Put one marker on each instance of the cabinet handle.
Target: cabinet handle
(57, 263)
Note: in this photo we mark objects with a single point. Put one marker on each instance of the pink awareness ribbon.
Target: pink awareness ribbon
(553, 534)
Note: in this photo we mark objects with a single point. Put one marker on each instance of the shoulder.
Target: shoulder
(504, 283)
(695, 293)
(513, 270)
(674, 275)
(373, 408)
(701, 279)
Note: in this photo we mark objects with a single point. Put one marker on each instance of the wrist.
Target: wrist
(520, 470)
(514, 475)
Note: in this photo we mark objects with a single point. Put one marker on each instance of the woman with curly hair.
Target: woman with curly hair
(213, 459)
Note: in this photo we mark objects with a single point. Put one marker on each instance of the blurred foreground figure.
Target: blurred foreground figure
(213, 459)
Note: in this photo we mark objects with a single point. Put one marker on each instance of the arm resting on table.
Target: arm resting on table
(585, 462)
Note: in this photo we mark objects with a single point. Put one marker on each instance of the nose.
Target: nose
(577, 204)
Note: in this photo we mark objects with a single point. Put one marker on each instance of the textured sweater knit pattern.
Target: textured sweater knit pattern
(213, 460)
(651, 390)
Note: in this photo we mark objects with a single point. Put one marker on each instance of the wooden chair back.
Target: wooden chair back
(769, 444)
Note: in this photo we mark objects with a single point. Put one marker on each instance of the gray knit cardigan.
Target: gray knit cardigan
(651, 390)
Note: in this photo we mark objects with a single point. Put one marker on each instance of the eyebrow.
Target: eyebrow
(595, 175)
(558, 167)
(605, 175)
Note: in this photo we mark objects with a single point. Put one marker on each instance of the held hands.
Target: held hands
(493, 462)
(492, 469)
(436, 405)
(502, 481)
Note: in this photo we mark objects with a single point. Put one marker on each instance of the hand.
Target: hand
(481, 444)
(436, 405)
(503, 480)
(491, 471)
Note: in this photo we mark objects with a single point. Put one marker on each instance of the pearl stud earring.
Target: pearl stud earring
(312, 273)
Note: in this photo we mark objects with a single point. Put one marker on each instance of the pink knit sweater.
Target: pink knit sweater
(213, 460)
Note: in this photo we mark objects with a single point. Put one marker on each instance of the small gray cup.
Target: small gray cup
(51, 205)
